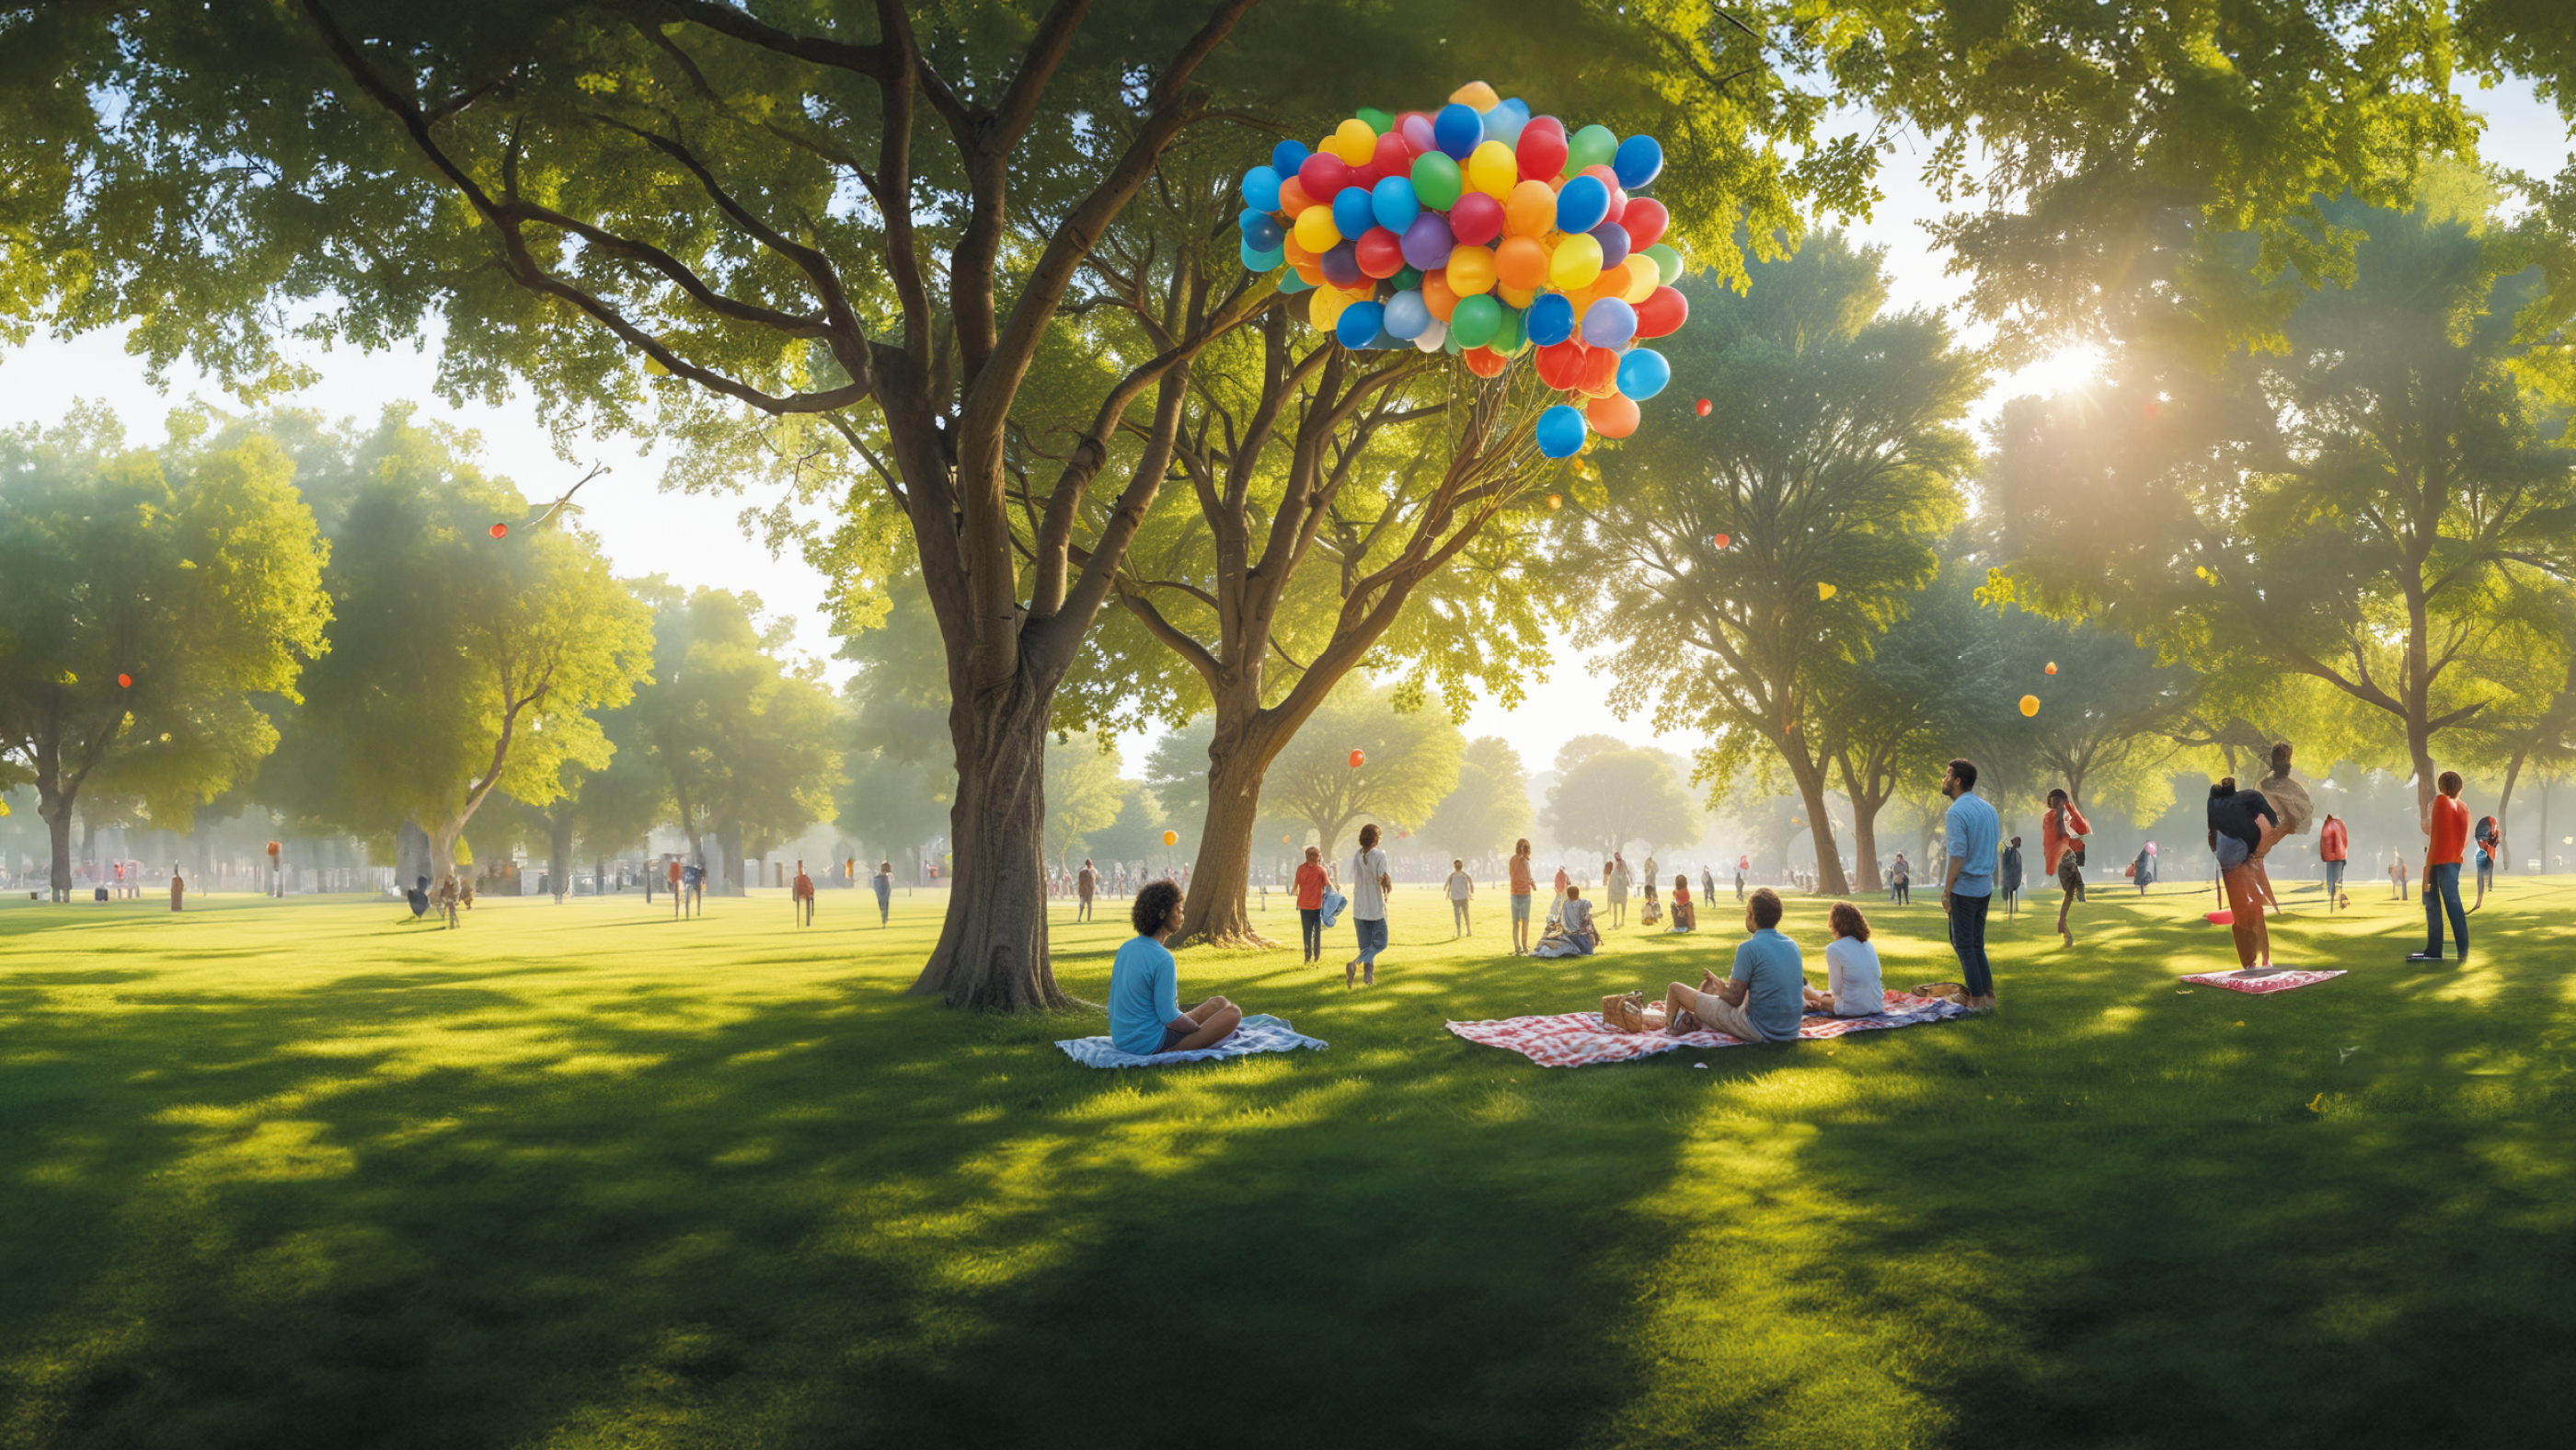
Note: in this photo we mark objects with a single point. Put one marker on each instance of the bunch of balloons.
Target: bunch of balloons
(1486, 232)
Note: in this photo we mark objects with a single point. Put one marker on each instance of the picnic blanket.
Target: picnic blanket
(1259, 1033)
(1577, 1039)
(2260, 982)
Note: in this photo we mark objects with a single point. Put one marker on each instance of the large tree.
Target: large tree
(1490, 806)
(145, 599)
(1616, 798)
(1408, 762)
(1746, 560)
(2369, 495)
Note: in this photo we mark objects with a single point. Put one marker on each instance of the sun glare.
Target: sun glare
(2064, 370)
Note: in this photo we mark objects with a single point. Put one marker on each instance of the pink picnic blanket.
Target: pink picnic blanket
(2260, 982)
(1577, 1039)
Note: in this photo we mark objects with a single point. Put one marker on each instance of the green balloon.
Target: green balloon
(1668, 263)
(1378, 121)
(1436, 180)
(1591, 146)
(1451, 346)
(1408, 279)
(1475, 321)
(1508, 337)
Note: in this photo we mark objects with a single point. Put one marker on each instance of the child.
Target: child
(1851, 968)
(1685, 914)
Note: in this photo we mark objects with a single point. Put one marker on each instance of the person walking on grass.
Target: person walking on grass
(1086, 882)
(801, 896)
(178, 888)
(1369, 887)
(2236, 827)
(1145, 1016)
(2397, 876)
(672, 874)
(1524, 886)
(1462, 887)
(2489, 837)
(1707, 883)
(2061, 843)
(1764, 995)
(2334, 848)
(883, 884)
(2446, 839)
(1969, 830)
(1900, 882)
(2008, 878)
(1310, 905)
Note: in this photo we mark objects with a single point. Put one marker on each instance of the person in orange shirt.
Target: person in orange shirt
(1524, 886)
(2061, 845)
(2334, 847)
(2446, 832)
(1310, 903)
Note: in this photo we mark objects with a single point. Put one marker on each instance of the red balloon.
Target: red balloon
(1484, 362)
(126, 682)
(1662, 314)
(1645, 222)
(1600, 372)
(1476, 219)
(1541, 151)
(1392, 157)
(1358, 756)
(500, 531)
(1366, 175)
(1560, 365)
(1618, 198)
(1704, 406)
(1380, 254)
(1323, 174)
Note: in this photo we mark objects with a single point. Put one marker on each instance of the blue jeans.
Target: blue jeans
(1310, 926)
(1372, 936)
(2442, 893)
(1968, 939)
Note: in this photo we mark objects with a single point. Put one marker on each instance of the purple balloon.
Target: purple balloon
(1342, 264)
(1426, 242)
(1614, 243)
(1609, 323)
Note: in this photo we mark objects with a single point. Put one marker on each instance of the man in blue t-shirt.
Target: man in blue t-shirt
(1762, 999)
(1145, 1015)
(1971, 829)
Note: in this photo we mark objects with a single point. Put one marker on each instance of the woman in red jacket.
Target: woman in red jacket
(2061, 844)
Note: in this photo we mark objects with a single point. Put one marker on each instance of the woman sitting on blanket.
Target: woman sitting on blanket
(1145, 1015)
(1685, 915)
(1572, 934)
(1851, 968)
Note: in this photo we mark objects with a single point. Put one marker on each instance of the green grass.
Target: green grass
(296, 1175)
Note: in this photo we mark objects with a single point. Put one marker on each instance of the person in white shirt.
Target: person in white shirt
(1851, 968)
(1461, 887)
(1369, 887)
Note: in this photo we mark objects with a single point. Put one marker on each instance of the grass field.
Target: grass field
(294, 1174)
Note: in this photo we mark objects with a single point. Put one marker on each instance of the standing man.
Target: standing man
(1742, 865)
(1617, 879)
(1707, 883)
(1369, 887)
(178, 888)
(693, 888)
(2334, 847)
(1900, 882)
(1968, 888)
(1461, 887)
(1085, 882)
(2446, 836)
(671, 875)
(2010, 884)
(801, 896)
(883, 882)
(1524, 886)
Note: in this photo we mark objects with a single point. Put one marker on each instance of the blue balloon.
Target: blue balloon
(1609, 323)
(1292, 284)
(1583, 205)
(1287, 156)
(1643, 373)
(1261, 188)
(1614, 243)
(1551, 319)
(1407, 316)
(1393, 203)
(1457, 130)
(1385, 341)
(1358, 323)
(1261, 231)
(1639, 160)
(1351, 213)
(1560, 431)
(1504, 124)
(1261, 259)
(1516, 106)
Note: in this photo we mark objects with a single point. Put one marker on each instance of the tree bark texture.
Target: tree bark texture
(992, 950)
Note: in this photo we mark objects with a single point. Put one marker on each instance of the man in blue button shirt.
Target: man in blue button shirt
(1972, 829)
(1762, 999)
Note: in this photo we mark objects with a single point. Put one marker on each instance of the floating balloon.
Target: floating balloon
(500, 531)
(1576, 263)
(1171, 838)
(1662, 314)
(125, 682)
(1427, 241)
(1644, 221)
(1406, 316)
(1476, 219)
(1491, 170)
(1470, 271)
(1379, 254)
(2030, 704)
(1550, 320)
(1614, 246)
(1581, 205)
(1560, 435)
(2220, 918)
(1437, 180)
(1433, 338)
(1556, 500)
(1353, 210)
(1323, 175)
(1589, 147)
(1261, 231)
(1720, 540)
(1358, 757)
(1286, 157)
(1703, 407)
(1393, 203)
(1359, 323)
(2052, 667)
(1643, 373)
(1609, 323)
(1261, 189)
(1612, 417)
(1638, 161)
(1458, 130)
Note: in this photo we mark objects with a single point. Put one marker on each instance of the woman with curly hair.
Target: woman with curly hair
(1145, 1015)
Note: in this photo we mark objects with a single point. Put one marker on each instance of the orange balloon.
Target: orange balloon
(1613, 416)
(1437, 294)
(1484, 362)
(1530, 211)
(1520, 262)
(1292, 195)
(1471, 271)
(1600, 376)
(1476, 95)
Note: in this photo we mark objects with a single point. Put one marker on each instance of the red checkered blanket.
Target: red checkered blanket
(1577, 1039)
(2259, 982)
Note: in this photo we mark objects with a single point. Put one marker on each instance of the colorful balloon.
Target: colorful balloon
(1521, 262)
(1287, 156)
(1510, 336)
(1614, 244)
(1261, 189)
(1559, 434)
(1437, 180)
(1662, 314)
(1581, 205)
(1438, 295)
(1434, 338)
(1379, 253)
(1471, 271)
(1639, 160)
(1476, 96)
(1491, 170)
(1668, 263)
(1342, 265)
(126, 682)
(1611, 417)
(1393, 156)
(1171, 838)
(1393, 203)
(1427, 241)
(1560, 364)
(1576, 263)
(2030, 704)
(1541, 149)
(1316, 231)
(1484, 362)
(1415, 128)
(1293, 199)
(1458, 130)
(1551, 320)
(1406, 316)
(1256, 260)
(1591, 146)
(1504, 124)
(1358, 758)
(1477, 218)
(1475, 321)
(2052, 668)
(1323, 174)
(1704, 406)
(1643, 373)
(1645, 221)
(1600, 373)
(1359, 323)
(1824, 590)
(500, 531)
(1261, 231)
(1609, 323)
(1353, 212)
(1355, 141)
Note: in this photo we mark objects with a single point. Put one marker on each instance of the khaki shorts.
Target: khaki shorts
(1717, 1012)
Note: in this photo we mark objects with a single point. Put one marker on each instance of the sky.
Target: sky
(696, 541)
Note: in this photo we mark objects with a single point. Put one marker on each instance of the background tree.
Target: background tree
(1410, 762)
(1084, 793)
(1611, 799)
(2371, 496)
(899, 773)
(1830, 467)
(144, 600)
(1490, 806)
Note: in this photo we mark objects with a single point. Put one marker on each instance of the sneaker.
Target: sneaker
(1368, 975)
(2423, 957)
(1350, 971)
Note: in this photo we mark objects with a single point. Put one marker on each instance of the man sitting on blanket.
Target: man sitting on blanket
(1572, 933)
(1762, 999)
(1145, 1015)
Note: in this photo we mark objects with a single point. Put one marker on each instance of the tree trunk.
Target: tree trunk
(1213, 911)
(1830, 880)
(2504, 798)
(559, 853)
(992, 950)
(1865, 842)
(442, 849)
(54, 807)
(729, 845)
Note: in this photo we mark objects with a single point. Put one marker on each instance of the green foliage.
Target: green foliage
(1616, 798)
(899, 771)
(1410, 763)
(1490, 808)
(1083, 794)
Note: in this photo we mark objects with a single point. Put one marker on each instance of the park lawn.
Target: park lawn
(304, 1174)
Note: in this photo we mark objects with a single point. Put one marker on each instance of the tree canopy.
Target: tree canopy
(1408, 762)
(1489, 808)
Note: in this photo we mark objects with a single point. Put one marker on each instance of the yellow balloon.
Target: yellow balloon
(1642, 281)
(1517, 296)
(1324, 307)
(1576, 262)
(1476, 94)
(1471, 270)
(2030, 704)
(1171, 838)
(1315, 229)
(1530, 210)
(1353, 141)
(1493, 170)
